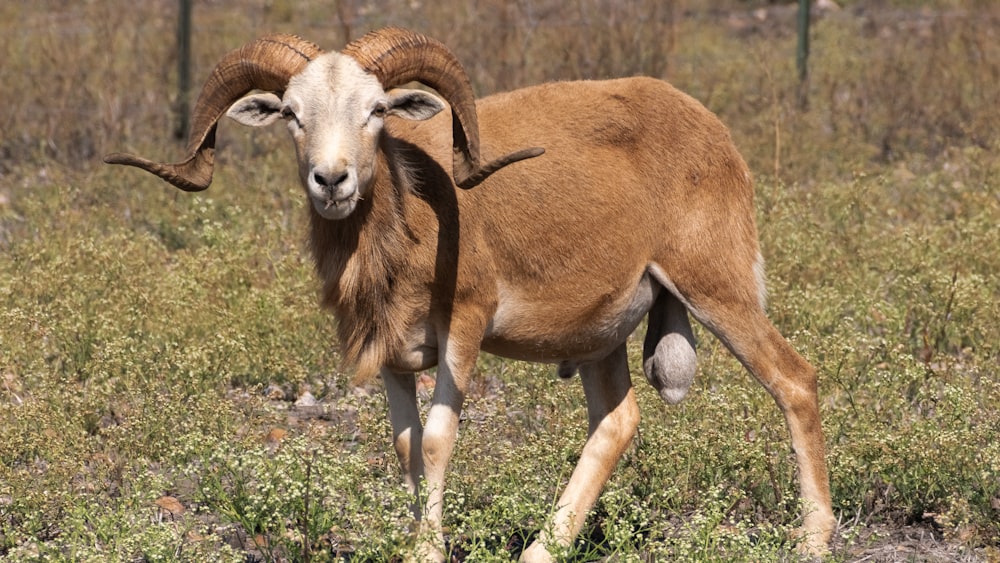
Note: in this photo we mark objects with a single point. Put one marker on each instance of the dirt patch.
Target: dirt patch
(918, 543)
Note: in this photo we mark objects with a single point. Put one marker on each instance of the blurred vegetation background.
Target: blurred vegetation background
(888, 78)
(169, 389)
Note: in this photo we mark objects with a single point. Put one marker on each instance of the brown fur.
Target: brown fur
(640, 205)
(682, 192)
(544, 260)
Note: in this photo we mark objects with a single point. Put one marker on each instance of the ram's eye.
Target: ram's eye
(287, 113)
(380, 109)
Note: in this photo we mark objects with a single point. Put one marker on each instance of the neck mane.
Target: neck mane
(359, 258)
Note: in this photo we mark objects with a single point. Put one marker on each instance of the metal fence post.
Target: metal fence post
(802, 54)
(183, 68)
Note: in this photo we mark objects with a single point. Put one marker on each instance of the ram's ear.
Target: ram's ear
(256, 110)
(414, 104)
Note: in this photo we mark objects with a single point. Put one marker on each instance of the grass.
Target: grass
(156, 348)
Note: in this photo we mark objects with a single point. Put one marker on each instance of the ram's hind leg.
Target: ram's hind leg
(613, 418)
(734, 312)
(668, 355)
(792, 383)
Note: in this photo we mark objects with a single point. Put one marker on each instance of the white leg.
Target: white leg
(407, 432)
(613, 418)
(438, 442)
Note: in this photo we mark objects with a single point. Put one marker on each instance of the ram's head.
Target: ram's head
(335, 104)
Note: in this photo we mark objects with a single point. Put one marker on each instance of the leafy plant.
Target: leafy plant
(153, 344)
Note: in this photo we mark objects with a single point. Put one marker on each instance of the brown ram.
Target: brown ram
(640, 205)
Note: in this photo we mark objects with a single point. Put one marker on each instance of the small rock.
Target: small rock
(425, 382)
(274, 393)
(170, 505)
(827, 6)
(306, 400)
(275, 435)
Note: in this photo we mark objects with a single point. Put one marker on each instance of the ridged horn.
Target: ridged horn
(397, 56)
(264, 64)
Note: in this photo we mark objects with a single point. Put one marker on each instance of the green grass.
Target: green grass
(152, 343)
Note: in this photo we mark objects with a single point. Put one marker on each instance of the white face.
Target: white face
(335, 112)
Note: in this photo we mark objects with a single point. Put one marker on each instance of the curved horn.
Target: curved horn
(265, 64)
(397, 56)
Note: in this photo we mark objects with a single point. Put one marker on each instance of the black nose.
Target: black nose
(329, 180)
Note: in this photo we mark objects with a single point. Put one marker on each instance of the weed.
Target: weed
(144, 333)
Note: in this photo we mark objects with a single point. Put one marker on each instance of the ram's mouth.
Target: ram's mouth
(334, 204)
(335, 208)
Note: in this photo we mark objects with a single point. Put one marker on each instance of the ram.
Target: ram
(602, 202)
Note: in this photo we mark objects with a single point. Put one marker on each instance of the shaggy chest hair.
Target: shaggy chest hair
(361, 261)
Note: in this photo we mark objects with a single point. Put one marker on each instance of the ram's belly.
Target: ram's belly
(563, 324)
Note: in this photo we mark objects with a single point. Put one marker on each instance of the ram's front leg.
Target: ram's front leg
(614, 417)
(407, 432)
(457, 361)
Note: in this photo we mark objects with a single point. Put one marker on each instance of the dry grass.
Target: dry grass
(153, 344)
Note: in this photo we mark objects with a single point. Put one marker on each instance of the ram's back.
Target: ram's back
(635, 175)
